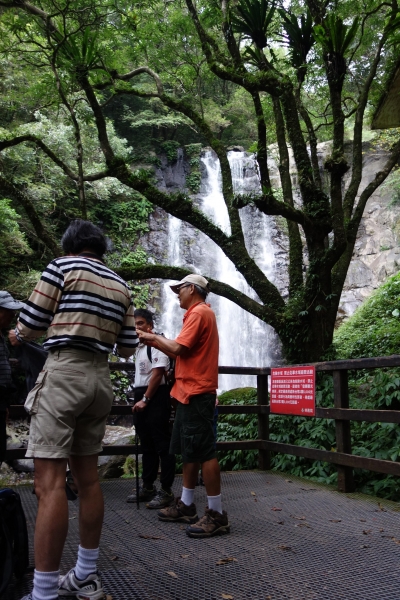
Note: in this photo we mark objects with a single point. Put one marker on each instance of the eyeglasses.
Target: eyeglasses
(183, 286)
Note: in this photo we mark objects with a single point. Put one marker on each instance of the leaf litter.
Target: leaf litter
(225, 561)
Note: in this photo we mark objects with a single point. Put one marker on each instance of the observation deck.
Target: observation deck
(290, 539)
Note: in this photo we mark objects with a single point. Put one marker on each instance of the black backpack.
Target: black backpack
(14, 547)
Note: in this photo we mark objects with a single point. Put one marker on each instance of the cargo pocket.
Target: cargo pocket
(32, 399)
(190, 441)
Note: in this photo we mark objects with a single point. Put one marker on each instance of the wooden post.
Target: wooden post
(263, 421)
(343, 436)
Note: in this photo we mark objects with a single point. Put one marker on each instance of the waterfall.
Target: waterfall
(244, 339)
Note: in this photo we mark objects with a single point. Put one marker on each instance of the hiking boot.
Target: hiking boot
(161, 499)
(86, 589)
(144, 494)
(212, 522)
(178, 512)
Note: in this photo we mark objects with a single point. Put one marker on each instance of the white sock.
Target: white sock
(214, 503)
(187, 496)
(86, 563)
(45, 585)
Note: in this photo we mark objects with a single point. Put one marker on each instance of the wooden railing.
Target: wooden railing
(343, 458)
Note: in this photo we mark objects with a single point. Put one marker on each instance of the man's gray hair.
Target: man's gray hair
(201, 291)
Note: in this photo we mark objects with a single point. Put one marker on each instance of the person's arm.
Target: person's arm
(37, 314)
(157, 374)
(127, 340)
(170, 347)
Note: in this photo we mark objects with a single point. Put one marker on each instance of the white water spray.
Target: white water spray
(244, 339)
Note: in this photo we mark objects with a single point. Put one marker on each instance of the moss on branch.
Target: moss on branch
(149, 271)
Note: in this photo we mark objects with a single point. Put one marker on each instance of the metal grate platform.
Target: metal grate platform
(320, 545)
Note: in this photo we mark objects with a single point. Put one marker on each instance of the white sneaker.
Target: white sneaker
(86, 589)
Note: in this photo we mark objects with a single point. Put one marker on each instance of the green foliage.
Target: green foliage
(137, 258)
(127, 216)
(81, 53)
(21, 285)
(334, 36)
(171, 150)
(237, 427)
(193, 150)
(129, 467)
(299, 36)
(374, 329)
(253, 20)
(140, 295)
(193, 181)
(120, 382)
(12, 240)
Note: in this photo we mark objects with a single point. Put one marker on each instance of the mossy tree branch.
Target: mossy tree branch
(263, 312)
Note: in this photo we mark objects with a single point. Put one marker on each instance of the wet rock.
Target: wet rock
(113, 468)
(23, 465)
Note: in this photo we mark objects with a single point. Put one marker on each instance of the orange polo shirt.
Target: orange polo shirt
(197, 371)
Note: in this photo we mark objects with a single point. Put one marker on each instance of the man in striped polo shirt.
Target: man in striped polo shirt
(85, 309)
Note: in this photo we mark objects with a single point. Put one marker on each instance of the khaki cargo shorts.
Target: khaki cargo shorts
(69, 405)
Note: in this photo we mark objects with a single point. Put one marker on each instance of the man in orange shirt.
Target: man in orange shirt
(196, 373)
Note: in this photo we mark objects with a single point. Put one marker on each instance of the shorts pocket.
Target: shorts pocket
(191, 442)
(32, 399)
(68, 372)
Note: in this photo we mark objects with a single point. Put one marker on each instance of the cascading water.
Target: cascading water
(244, 339)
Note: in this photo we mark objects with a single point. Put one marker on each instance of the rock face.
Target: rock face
(377, 253)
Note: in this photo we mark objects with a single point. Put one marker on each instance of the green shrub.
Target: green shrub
(374, 329)
(171, 150)
(193, 181)
(237, 427)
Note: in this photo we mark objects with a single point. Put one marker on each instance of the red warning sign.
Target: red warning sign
(293, 391)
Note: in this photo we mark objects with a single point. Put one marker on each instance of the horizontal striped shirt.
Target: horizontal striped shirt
(80, 302)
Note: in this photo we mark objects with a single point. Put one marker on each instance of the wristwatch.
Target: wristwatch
(145, 399)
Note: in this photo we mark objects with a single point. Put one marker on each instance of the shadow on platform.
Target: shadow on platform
(290, 540)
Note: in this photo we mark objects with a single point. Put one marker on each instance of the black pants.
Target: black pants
(152, 425)
(3, 436)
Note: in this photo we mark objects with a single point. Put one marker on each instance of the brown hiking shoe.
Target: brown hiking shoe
(212, 522)
(178, 512)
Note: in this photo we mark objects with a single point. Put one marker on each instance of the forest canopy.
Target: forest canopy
(91, 91)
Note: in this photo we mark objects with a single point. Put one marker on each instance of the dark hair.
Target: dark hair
(83, 234)
(146, 314)
(201, 291)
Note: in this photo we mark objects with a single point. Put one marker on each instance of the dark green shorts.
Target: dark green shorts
(193, 432)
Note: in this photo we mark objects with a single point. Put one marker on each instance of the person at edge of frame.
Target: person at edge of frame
(85, 309)
(8, 308)
(152, 411)
(196, 381)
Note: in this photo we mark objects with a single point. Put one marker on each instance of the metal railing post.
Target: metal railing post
(343, 435)
(263, 421)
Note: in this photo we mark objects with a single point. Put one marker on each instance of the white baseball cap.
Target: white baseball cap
(192, 278)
